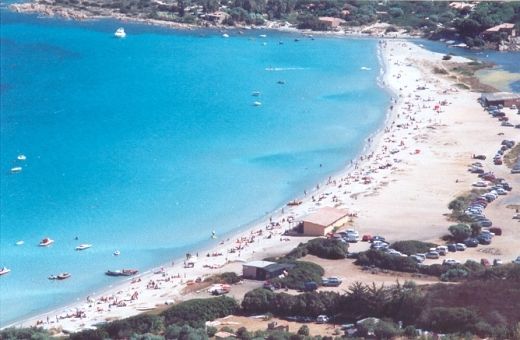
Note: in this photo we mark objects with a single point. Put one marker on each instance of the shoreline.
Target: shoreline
(370, 144)
(349, 176)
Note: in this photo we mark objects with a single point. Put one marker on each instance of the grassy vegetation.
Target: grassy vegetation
(412, 247)
(511, 157)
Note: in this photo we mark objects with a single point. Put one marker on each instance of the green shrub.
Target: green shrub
(25, 333)
(460, 232)
(320, 247)
(412, 247)
(386, 261)
(304, 330)
(448, 319)
(297, 276)
(197, 311)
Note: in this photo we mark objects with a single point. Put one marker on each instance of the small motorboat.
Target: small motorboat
(281, 82)
(257, 103)
(122, 272)
(263, 35)
(255, 93)
(20, 243)
(120, 33)
(225, 35)
(83, 246)
(61, 276)
(46, 242)
(4, 270)
(117, 253)
(364, 68)
(21, 157)
(16, 169)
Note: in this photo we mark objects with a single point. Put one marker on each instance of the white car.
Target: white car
(517, 260)
(460, 246)
(501, 191)
(480, 184)
(450, 262)
(322, 319)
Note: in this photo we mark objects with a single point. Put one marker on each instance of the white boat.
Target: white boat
(19, 243)
(16, 169)
(83, 246)
(225, 35)
(364, 68)
(257, 103)
(21, 157)
(46, 242)
(117, 252)
(120, 33)
(263, 36)
(4, 270)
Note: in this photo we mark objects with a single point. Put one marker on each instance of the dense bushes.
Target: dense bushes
(25, 333)
(386, 261)
(283, 304)
(448, 320)
(412, 247)
(460, 232)
(320, 247)
(227, 277)
(197, 311)
(297, 276)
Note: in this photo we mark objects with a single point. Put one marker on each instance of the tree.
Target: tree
(460, 231)
(304, 330)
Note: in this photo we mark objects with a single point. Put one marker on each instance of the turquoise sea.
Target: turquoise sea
(148, 143)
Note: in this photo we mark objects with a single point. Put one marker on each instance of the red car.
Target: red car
(366, 238)
(496, 230)
(485, 262)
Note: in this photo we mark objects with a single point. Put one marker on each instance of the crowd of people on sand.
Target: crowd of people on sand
(412, 114)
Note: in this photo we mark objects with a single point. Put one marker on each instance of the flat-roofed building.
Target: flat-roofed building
(501, 98)
(264, 270)
(323, 221)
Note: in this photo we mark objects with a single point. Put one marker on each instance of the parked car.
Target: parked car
(496, 230)
(442, 250)
(481, 157)
(517, 260)
(417, 258)
(322, 319)
(479, 184)
(432, 255)
(460, 246)
(471, 242)
(452, 247)
(484, 239)
(310, 286)
(331, 282)
(497, 262)
(378, 238)
(450, 262)
(366, 238)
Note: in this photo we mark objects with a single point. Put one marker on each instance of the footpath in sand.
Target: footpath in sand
(399, 188)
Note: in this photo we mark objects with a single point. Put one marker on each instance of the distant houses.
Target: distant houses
(500, 98)
(331, 22)
(506, 28)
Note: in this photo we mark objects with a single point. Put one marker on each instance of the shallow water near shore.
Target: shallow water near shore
(147, 144)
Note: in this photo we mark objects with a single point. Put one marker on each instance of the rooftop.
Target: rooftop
(501, 26)
(500, 96)
(325, 216)
(259, 264)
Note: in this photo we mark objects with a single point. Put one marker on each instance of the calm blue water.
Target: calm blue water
(147, 144)
(508, 61)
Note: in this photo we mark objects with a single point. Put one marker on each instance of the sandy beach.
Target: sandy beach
(399, 187)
